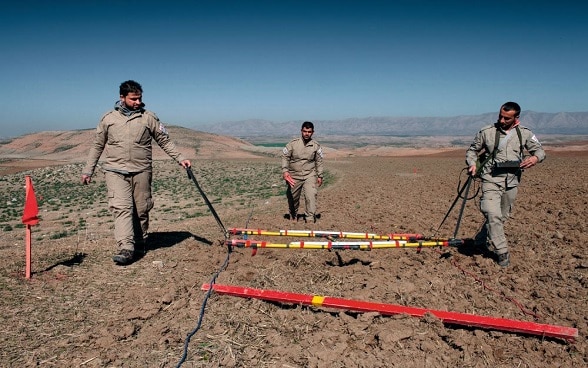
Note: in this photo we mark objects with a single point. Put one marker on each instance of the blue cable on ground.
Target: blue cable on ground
(201, 316)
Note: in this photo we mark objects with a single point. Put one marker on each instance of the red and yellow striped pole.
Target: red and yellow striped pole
(326, 234)
(357, 245)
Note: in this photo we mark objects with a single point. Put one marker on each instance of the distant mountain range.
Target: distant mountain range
(566, 123)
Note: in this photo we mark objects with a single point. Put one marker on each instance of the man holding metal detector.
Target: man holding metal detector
(125, 136)
(497, 157)
(302, 169)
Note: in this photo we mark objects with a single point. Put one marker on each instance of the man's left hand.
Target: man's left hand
(529, 162)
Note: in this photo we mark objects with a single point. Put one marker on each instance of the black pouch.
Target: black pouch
(510, 167)
(507, 165)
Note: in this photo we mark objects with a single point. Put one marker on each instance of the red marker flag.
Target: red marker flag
(31, 210)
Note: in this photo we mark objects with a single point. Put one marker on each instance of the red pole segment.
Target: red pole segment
(464, 319)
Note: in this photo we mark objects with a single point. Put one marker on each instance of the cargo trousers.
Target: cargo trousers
(496, 204)
(129, 200)
(309, 187)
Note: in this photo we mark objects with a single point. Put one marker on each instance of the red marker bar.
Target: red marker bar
(463, 319)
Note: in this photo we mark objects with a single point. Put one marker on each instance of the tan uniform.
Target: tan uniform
(500, 186)
(125, 142)
(304, 162)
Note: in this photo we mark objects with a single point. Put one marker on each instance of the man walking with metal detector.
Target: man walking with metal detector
(302, 169)
(502, 163)
(125, 136)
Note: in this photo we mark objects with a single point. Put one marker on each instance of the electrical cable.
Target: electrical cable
(201, 315)
(501, 294)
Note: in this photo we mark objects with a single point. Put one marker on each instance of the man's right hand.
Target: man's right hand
(472, 170)
(86, 179)
(289, 179)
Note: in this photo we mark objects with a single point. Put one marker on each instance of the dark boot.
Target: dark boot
(124, 257)
(503, 259)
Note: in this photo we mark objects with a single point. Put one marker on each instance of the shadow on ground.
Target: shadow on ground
(469, 248)
(166, 239)
(75, 260)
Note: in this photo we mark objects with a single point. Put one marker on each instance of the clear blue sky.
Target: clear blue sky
(210, 61)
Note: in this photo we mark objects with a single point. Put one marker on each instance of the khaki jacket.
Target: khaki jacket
(126, 142)
(484, 141)
(302, 160)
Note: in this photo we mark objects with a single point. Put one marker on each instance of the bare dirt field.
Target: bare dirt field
(81, 310)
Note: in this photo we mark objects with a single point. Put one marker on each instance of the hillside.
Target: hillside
(58, 147)
(73, 145)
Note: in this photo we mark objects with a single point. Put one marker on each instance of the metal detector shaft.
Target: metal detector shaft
(461, 190)
(465, 198)
(218, 220)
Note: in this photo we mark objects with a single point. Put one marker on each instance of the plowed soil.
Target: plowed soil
(81, 310)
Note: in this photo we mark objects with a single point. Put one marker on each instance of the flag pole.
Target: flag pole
(28, 253)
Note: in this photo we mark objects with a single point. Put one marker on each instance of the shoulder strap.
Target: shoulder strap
(520, 140)
(496, 142)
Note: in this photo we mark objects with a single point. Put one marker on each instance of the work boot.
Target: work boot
(503, 259)
(124, 257)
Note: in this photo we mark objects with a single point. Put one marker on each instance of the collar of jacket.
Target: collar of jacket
(501, 128)
(118, 106)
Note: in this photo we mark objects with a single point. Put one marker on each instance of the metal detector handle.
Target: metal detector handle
(218, 220)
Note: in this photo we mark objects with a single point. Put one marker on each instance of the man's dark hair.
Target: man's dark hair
(510, 106)
(130, 86)
(307, 125)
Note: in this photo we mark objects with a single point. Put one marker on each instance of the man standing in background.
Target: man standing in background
(302, 169)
